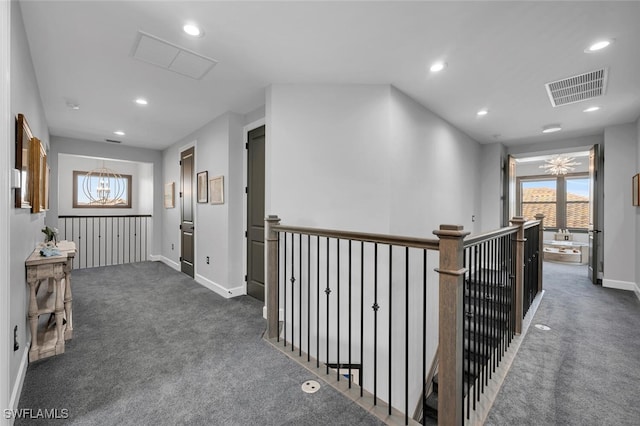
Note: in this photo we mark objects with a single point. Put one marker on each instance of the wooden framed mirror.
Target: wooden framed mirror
(23, 195)
(39, 177)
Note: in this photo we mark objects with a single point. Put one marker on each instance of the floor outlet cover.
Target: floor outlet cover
(310, 386)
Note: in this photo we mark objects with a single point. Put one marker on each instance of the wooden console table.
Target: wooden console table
(47, 341)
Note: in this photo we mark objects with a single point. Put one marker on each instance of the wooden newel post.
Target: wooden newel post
(271, 278)
(519, 262)
(540, 217)
(451, 299)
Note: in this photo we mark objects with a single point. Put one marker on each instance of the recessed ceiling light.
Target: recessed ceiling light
(482, 112)
(193, 30)
(119, 133)
(551, 128)
(599, 45)
(141, 101)
(73, 105)
(591, 109)
(438, 66)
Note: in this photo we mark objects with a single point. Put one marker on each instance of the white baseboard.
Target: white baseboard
(17, 386)
(227, 293)
(620, 285)
(165, 260)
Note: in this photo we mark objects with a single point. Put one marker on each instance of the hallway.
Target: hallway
(586, 369)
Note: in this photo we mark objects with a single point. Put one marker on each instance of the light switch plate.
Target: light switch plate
(15, 178)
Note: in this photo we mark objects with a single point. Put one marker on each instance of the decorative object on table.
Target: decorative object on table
(216, 190)
(202, 187)
(51, 235)
(168, 195)
(635, 188)
(48, 251)
(559, 165)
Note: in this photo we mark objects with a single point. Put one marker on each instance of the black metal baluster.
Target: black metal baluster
(424, 335)
(293, 290)
(278, 282)
(327, 291)
(284, 285)
(466, 330)
(308, 297)
(338, 308)
(350, 273)
(361, 378)
(318, 303)
(300, 292)
(406, 339)
(477, 322)
(375, 308)
(390, 317)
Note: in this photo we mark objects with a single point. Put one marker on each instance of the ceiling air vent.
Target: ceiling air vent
(577, 88)
(112, 141)
(161, 53)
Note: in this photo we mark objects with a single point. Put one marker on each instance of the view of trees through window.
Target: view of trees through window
(564, 200)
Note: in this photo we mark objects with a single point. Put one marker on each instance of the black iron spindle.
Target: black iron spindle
(293, 290)
(375, 308)
(338, 308)
(284, 285)
(390, 318)
(361, 378)
(406, 339)
(350, 273)
(308, 297)
(327, 291)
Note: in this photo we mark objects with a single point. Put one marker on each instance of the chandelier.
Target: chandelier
(103, 186)
(559, 165)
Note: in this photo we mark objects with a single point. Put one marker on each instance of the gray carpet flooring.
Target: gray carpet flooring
(586, 369)
(151, 346)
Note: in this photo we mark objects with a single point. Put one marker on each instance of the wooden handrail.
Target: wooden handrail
(531, 224)
(421, 243)
(475, 239)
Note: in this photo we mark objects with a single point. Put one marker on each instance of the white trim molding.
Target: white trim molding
(6, 123)
(620, 285)
(22, 372)
(227, 293)
(165, 260)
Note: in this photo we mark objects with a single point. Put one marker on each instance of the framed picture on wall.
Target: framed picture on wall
(216, 190)
(202, 187)
(168, 195)
(635, 190)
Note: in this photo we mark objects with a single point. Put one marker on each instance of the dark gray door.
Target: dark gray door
(255, 213)
(186, 204)
(594, 231)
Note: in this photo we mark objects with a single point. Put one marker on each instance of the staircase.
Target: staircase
(487, 306)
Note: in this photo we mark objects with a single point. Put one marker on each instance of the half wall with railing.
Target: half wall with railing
(107, 240)
(371, 313)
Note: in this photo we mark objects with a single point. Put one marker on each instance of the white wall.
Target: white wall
(368, 158)
(149, 165)
(6, 123)
(327, 156)
(25, 227)
(219, 228)
(620, 233)
(142, 193)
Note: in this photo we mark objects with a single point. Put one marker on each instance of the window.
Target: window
(96, 190)
(563, 200)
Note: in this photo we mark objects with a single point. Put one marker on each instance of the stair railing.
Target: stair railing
(317, 283)
(487, 284)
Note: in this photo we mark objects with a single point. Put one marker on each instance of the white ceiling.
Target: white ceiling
(499, 56)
